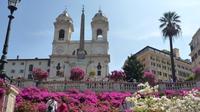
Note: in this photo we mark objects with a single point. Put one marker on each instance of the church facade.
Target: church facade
(90, 55)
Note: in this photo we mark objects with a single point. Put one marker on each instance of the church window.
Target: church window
(30, 76)
(30, 67)
(48, 70)
(99, 34)
(99, 69)
(61, 34)
(58, 67)
(58, 72)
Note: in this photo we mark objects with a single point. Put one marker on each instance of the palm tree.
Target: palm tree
(170, 28)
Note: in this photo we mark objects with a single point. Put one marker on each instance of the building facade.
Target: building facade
(23, 67)
(158, 62)
(90, 55)
(195, 49)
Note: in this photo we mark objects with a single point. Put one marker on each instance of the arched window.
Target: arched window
(99, 34)
(58, 67)
(61, 34)
(30, 67)
(99, 69)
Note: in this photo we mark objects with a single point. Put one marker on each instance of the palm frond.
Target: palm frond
(169, 24)
(176, 17)
(162, 25)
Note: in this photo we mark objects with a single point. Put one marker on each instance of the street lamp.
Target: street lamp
(12, 6)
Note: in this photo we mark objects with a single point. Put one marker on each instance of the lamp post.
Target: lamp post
(12, 6)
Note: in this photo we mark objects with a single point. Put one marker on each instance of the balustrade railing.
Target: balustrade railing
(106, 86)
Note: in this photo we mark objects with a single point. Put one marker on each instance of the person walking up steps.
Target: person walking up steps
(52, 105)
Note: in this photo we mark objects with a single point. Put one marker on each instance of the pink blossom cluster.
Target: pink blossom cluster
(1, 82)
(33, 99)
(77, 74)
(117, 75)
(86, 101)
(171, 93)
(149, 77)
(2, 90)
(39, 74)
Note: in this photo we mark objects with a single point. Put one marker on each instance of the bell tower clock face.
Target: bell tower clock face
(59, 50)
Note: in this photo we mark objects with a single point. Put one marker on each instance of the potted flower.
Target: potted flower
(39, 75)
(149, 77)
(77, 74)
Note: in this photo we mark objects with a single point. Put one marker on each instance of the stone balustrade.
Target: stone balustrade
(112, 86)
(179, 85)
(95, 86)
(104, 85)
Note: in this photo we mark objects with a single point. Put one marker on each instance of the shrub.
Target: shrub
(32, 99)
(117, 75)
(41, 107)
(77, 74)
(149, 77)
(25, 106)
(2, 91)
(2, 82)
(148, 100)
(39, 74)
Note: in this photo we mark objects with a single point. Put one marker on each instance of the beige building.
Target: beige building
(90, 55)
(158, 62)
(195, 49)
(23, 67)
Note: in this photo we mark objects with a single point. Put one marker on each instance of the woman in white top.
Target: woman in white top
(52, 105)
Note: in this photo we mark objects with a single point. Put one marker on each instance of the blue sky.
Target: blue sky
(133, 25)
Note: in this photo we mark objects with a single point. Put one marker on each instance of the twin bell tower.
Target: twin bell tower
(91, 55)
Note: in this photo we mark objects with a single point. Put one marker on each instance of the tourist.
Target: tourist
(52, 105)
(63, 106)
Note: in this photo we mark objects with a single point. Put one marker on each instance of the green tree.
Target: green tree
(133, 69)
(170, 28)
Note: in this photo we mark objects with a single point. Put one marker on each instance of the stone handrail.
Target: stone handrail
(112, 86)
(178, 85)
(96, 86)
(105, 85)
